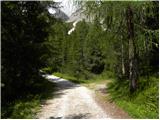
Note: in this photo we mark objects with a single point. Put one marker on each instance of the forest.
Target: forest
(118, 41)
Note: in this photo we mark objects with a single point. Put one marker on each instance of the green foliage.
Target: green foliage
(24, 30)
(47, 70)
(115, 22)
(28, 105)
(93, 79)
(143, 103)
(21, 46)
(95, 50)
(25, 109)
(68, 77)
(56, 45)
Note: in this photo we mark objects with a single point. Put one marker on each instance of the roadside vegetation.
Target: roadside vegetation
(24, 30)
(96, 79)
(142, 104)
(26, 106)
(117, 40)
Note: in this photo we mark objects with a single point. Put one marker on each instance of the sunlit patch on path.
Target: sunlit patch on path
(71, 101)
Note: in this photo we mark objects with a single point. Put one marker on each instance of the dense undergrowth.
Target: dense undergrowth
(26, 106)
(141, 104)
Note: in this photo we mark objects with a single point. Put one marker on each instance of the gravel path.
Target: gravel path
(71, 101)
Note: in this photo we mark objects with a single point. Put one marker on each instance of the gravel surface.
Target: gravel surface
(71, 101)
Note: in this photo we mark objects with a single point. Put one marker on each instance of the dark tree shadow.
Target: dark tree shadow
(60, 86)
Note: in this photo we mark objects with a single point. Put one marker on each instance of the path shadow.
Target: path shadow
(78, 116)
(55, 117)
(73, 116)
(60, 85)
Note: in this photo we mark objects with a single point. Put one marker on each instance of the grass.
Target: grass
(96, 79)
(29, 105)
(22, 109)
(143, 104)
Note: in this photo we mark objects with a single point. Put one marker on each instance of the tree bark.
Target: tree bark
(133, 76)
(122, 56)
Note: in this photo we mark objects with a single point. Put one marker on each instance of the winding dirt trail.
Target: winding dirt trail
(71, 101)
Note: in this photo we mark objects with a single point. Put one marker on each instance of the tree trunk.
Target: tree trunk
(122, 56)
(133, 76)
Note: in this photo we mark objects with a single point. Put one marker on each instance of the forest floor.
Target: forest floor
(74, 101)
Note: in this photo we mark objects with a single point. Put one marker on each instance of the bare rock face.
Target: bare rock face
(69, 11)
(75, 18)
(78, 15)
(60, 15)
